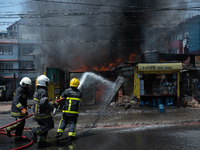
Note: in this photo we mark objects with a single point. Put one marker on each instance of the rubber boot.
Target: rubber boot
(8, 133)
(33, 135)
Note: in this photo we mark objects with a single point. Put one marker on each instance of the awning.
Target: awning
(159, 66)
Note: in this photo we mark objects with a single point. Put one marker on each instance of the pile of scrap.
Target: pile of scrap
(191, 102)
(125, 102)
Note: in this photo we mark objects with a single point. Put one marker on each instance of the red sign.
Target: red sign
(187, 61)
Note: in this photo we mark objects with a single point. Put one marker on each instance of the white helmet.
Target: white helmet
(25, 81)
(43, 80)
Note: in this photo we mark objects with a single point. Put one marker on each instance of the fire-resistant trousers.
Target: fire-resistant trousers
(42, 130)
(18, 127)
(72, 125)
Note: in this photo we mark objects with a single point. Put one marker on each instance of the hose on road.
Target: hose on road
(31, 141)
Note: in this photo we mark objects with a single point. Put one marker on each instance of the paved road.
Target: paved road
(154, 137)
(93, 118)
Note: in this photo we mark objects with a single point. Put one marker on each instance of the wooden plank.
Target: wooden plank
(118, 83)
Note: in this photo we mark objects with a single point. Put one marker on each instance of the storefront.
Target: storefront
(156, 83)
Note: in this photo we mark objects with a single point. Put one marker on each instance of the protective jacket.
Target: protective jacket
(19, 101)
(42, 107)
(72, 102)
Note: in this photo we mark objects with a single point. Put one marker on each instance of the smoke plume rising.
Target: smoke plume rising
(87, 34)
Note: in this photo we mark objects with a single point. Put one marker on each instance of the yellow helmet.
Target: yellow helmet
(74, 82)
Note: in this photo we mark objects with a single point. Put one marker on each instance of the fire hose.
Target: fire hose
(31, 142)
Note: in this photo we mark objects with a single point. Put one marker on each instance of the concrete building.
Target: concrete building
(17, 59)
(184, 38)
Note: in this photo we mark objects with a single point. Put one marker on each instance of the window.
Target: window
(10, 67)
(6, 66)
(26, 65)
(1, 50)
(177, 51)
(6, 50)
(10, 50)
(16, 34)
(11, 34)
(1, 67)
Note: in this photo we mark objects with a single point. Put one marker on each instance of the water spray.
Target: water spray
(95, 88)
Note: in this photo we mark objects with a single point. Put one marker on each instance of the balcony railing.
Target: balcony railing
(26, 58)
(8, 75)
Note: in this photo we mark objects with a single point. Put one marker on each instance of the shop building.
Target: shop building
(157, 83)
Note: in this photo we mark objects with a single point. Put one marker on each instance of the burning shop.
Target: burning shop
(97, 87)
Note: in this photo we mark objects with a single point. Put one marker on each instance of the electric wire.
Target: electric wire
(119, 6)
(46, 15)
(138, 5)
(138, 8)
(118, 22)
(67, 13)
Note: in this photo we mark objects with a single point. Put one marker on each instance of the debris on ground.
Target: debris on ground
(125, 102)
(191, 102)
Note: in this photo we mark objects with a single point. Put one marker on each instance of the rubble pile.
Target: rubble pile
(191, 102)
(125, 102)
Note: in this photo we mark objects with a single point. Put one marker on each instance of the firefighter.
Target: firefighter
(19, 109)
(42, 112)
(70, 110)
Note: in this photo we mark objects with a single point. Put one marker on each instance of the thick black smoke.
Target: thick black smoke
(78, 34)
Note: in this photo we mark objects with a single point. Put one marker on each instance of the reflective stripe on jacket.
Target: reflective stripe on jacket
(19, 101)
(42, 107)
(72, 102)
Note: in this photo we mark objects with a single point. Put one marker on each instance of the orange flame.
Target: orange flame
(105, 67)
(131, 57)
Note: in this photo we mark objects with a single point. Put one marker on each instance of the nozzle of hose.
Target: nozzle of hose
(54, 111)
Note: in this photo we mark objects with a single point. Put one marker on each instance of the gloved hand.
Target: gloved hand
(23, 111)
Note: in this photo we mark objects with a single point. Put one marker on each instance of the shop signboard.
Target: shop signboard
(159, 66)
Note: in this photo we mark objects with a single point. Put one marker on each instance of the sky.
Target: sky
(9, 10)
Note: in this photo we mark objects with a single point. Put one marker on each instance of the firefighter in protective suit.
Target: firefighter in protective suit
(42, 112)
(19, 109)
(70, 110)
